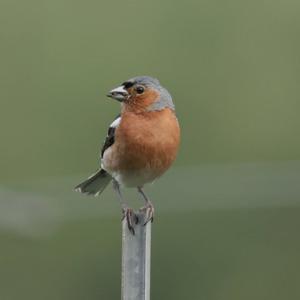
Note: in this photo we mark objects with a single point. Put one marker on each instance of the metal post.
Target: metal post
(136, 252)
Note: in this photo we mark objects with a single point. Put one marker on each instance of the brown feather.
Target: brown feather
(145, 145)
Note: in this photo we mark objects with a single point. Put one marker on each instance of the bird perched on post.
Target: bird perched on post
(141, 143)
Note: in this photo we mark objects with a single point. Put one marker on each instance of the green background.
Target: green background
(227, 214)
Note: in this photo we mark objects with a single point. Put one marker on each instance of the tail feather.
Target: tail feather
(95, 184)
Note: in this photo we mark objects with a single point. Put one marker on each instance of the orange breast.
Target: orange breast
(145, 142)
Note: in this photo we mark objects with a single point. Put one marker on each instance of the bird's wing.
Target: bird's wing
(110, 138)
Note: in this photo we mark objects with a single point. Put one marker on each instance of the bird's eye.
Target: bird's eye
(139, 89)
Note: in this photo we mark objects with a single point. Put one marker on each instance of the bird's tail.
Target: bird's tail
(95, 184)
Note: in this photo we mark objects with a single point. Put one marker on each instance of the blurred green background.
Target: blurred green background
(228, 213)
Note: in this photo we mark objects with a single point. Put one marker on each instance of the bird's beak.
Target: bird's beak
(118, 93)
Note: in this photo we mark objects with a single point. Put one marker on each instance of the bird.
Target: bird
(141, 144)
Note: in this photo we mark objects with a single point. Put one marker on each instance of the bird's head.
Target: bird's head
(141, 94)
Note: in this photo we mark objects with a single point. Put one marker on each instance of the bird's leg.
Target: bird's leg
(127, 212)
(148, 208)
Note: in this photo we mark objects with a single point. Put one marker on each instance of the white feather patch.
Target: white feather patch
(115, 123)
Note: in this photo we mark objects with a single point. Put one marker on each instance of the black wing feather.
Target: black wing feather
(110, 138)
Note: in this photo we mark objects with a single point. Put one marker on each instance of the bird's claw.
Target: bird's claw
(131, 219)
(148, 210)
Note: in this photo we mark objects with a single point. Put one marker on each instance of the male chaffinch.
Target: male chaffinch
(141, 143)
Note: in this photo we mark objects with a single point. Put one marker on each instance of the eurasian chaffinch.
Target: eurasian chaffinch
(141, 142)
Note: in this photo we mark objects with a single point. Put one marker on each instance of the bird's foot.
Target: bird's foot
(148, 210)
(131, 218)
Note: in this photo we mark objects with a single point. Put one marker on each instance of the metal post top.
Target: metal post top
(136, 252)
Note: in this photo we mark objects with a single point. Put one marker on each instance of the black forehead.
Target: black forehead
(143, 80)
(128, 84)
